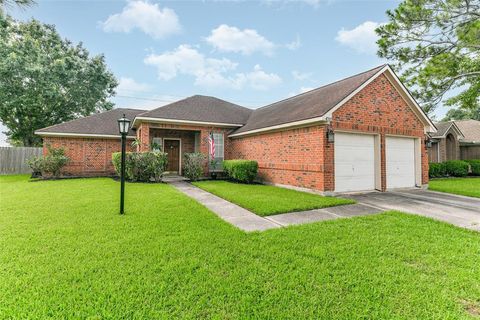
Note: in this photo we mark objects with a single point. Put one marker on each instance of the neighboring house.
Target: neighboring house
(364, 132)
(455, 140)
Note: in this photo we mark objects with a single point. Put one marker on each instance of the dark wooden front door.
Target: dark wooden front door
(172, 148)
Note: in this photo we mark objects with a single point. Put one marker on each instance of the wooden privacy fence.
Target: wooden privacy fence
(13, 159)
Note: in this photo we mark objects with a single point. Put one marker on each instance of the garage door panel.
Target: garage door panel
(400, 162)
(354, 162)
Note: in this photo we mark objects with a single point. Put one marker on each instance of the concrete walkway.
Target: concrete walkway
(248, 221)
(458, 210)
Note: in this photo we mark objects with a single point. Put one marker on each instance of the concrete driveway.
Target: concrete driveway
(458, 210)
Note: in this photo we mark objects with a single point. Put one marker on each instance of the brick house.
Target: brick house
(364, 132)
(455, 140)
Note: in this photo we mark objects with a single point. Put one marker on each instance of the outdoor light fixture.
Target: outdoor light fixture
(428, 142)
(123, 127)
(330, 133)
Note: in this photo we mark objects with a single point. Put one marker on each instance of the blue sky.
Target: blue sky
(250, 53)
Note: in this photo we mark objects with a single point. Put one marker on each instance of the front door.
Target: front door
(172, 148)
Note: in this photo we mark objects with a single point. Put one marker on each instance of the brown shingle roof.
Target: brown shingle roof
(203, 109)
(104, 123)
(442, 128)
(470, 130)
(311, 104)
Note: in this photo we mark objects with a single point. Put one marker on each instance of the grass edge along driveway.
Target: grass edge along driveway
(265, 200)
(66, 253)
(469, 187)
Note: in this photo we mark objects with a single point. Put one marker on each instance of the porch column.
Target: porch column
(143, 135)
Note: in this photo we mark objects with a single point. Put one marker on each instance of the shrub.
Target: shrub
(241, 170)
(193, 165)
(474, 167)
(141, 166)
(437, 170)
(52, 163)
(456, 168)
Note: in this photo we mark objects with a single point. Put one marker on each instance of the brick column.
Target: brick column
(328, 162)
(383, 163)
(143, 135)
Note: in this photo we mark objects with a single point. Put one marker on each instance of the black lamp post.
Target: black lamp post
(123, 127)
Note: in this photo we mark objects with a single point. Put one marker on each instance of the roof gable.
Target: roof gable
(319, 104)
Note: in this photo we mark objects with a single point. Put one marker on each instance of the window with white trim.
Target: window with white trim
(157, 144)
(219, 150)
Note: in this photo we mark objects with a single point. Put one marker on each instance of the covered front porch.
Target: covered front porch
(176, 140)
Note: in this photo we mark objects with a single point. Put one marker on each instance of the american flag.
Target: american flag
(211, 141)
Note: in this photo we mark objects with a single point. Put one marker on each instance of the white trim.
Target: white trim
(179, 121)
(282, 126)
(399, 84)
(80, 135)
(179, 152)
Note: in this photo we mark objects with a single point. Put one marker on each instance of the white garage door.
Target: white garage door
(354, 162)
(400, 157)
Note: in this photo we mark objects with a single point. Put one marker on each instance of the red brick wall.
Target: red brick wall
(379, 108)
(147, 131)
(303, 157)
(293, 157)
(88, 156)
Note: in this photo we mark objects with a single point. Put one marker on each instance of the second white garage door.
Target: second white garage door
(354, 162)
(400, 157)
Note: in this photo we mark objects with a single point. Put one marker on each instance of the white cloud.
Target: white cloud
(301, 76)
(209, 72)
(129, 85)
(260, 80)
(246, 41)
(300, 91)
(361, 38)
(150, 18)
(295, 44)
(144, 103)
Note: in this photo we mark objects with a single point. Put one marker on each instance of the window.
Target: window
(219, 150)
(157, 144)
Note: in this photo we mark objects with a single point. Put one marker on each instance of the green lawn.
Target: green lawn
(463, 186)
(66, 253)
(267, 200)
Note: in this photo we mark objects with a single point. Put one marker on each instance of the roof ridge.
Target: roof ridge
(90, 115)
(323, 86)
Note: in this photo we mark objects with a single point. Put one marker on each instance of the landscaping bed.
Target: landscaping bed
(463, 186)
(267, 200)
(66, 253)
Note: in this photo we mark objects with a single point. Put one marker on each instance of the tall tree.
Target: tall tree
(18, 3)
(435, 45)
(46, 80)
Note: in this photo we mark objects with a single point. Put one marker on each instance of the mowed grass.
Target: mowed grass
(267, 200)
(463, 186)
(66, 253)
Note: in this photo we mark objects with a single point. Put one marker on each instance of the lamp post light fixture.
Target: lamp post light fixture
(123, 127)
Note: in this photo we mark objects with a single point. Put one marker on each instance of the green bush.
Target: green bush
(51, 164)
(193, 165)
(437, 170)
(456, 168)
(474, 167)
(141, 166)
(241, 170)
